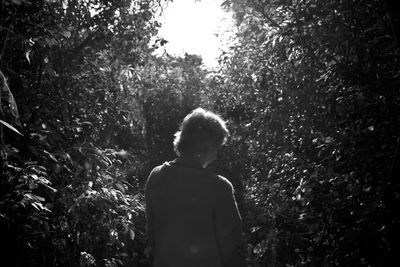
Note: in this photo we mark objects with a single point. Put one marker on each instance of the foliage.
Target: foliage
(164, 91)
(70, 170)
(311, 89)
(96, 112)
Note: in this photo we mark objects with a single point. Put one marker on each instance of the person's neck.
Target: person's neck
(191, 160)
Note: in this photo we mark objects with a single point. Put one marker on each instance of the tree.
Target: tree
(163, 92)
(64, 61)
(311, 91)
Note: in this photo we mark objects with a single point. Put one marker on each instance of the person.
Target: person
(191, 213)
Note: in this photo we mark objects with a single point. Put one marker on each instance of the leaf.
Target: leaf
(10, 127)
(27, 53)
(50, 42)
(17, 2)
(13, 104)
(66, 33)
(51, 189)
(39, 206)
(32, 184)
(120, 187)
(50, 155)
(132, 234)
(34, 197)
(163, 42)
(9, 95)
(65, 4)
(122, 154)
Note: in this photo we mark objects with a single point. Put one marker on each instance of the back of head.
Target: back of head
(199, 131)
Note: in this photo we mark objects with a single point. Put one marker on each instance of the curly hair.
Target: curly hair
(199, 130)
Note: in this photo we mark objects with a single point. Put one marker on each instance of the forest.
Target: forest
(310, 93)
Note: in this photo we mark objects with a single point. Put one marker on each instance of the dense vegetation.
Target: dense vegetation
(310, 89)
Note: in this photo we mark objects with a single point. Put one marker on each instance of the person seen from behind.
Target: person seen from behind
(192, 217)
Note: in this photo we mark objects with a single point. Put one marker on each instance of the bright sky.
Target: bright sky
(195, 27)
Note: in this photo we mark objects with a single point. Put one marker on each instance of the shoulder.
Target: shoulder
(224, 184)
(154, 175)
(156, 170)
